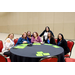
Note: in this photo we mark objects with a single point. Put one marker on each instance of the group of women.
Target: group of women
(27, 37)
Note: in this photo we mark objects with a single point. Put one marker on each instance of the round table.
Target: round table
(28, 54)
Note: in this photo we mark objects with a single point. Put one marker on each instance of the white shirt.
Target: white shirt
(46, 34)
(8, 45)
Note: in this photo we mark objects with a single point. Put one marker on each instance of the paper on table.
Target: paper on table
(24, 44)
(48, 44)
(20, 47)
(36, 44)
(46, 54)
(56, 46)
(39, 55)
(39, 52)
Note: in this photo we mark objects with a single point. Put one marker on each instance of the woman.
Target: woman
(29, 36)
(9, 43)
(45, 33)
(50, 39)
(23, 39)
(36, 39)
(62, 42)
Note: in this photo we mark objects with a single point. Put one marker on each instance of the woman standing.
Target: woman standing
(9, 43)
(62, 42)
(45, 33)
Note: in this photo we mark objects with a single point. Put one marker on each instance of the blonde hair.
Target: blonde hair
(9, 35)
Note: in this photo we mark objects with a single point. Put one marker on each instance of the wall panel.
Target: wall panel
(19, 22)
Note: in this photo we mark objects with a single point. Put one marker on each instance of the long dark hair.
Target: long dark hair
(58, 37)
(50, 36)
(48, 28)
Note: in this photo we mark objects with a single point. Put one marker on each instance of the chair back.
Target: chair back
(2, 58)
(70, 45)
(1, 46)
(8, 60)
(15, 41)
(56, 40)
(69, 60)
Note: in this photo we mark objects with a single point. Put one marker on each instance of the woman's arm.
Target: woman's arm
(19, 41)
(7, 44)
(64, 44)
(40, 39)
(42, 33)
(28, 41)
(32, 40)
(52, 41)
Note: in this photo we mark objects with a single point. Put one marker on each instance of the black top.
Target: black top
(63, 44)
(46, 31)
(52, 41)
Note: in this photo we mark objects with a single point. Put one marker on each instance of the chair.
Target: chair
(56, 40)
(49, 59)
(70, 45)
(69, 60)
(15, 41)
(4, 59)
(1, 46)
(8, 59)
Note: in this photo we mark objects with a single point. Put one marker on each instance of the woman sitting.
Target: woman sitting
(50, 39)
(29, 36)
(36, 39)
(23, 39)
(62, 42)
(45, 33)
(9, 43)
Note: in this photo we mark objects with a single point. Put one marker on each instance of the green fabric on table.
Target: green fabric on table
(39, 55)
(56, 46)
(36, 44)
(48, 44)
(45, 54)
(20, 47)
(39, 52)
(24, 44)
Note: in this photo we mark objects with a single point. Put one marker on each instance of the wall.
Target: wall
(19, 22)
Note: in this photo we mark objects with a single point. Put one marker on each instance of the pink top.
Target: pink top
(38, 39)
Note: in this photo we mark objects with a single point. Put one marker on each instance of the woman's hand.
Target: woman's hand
(42, 43)
(9, 49)
(24, 42)
(35, 42)
(30, 37)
